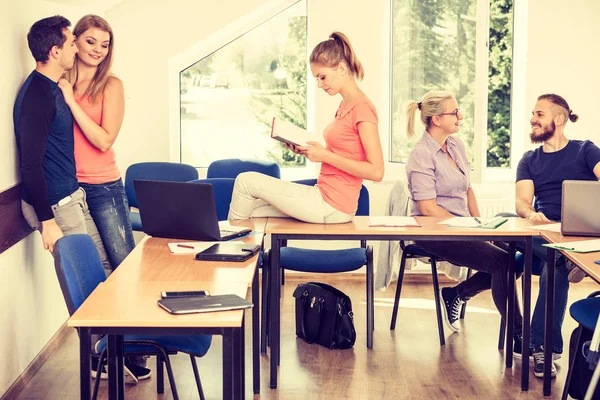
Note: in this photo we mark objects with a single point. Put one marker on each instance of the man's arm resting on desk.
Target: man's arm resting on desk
(524, 201)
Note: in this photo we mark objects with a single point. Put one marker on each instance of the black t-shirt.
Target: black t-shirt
(576, 161)
(44, 133)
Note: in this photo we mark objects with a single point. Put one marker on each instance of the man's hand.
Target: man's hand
(50, 234)
(538, 216)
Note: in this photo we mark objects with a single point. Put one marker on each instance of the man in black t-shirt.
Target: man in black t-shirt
(540, 174)
(51, 199)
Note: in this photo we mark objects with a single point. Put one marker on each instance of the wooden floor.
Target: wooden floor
(404, 364)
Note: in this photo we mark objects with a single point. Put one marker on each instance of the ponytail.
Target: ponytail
(431, 104)
(335, 50)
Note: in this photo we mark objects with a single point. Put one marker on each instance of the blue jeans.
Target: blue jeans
(110, 210)
(561, 294)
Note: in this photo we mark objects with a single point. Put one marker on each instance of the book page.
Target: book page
(583, 246)
(289, 133)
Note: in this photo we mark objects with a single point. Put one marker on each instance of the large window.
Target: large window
(229, 98)
(447, 45)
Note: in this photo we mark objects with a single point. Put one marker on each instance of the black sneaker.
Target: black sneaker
(518, 352)
(140, 373)
(538, 363)
(130, 378)
(103, 372)
(451, 306)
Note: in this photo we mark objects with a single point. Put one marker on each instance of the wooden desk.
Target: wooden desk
(136, 285)
(514, 230)
(585, 261)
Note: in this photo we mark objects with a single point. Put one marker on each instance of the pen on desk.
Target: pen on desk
(185, 246)
(477, 220)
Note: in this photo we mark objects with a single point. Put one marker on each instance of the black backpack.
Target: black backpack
(581, 374)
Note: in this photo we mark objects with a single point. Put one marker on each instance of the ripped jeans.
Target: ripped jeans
(110, 210)
(258, 195)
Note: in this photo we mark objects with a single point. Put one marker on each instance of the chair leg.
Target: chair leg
(171, 376)
(502, 336)
(197, 376)
(370, 298)
(436, 293)
(398, 290)
(160, 375)
(98, 373)
(464, 306)
(264, 312)
(571, 365)
(282, 276)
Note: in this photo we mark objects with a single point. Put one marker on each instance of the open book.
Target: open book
(393, 221)
(289, 133)
(472, 222)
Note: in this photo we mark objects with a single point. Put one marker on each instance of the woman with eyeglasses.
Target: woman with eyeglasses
(439, 183)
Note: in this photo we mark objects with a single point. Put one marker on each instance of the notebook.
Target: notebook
(393, 221)
(181, 210)
(228, 252)
(584, 246)
(190, 305)
(580, 211)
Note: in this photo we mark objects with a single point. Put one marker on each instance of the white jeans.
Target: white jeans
(257, 195)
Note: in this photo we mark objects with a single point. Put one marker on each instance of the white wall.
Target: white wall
(33, 307)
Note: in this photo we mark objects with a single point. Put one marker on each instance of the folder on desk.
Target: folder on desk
(191, 305)
(472, 222)
(583, 246)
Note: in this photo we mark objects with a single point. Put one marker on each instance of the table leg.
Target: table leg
(229, 383)
(510, 310)
(242, 359)
(370, 302)
(526, 313)
(85, 375)
(550, 265)
(120, 368)
(274, 310)
(255, 335)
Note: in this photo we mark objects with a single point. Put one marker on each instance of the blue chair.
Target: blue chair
(159, 171)
(222, 190)
(232, 167)
(585, 312)
(328, 261)
(79, 271)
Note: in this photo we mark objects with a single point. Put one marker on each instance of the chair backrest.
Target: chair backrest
(159, 171)
(363, 198)
(222, 190)
(78, 267)
(232, 167)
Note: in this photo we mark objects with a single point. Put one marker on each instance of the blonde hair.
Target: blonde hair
(103, 74)
(335, 50)
(431, 104)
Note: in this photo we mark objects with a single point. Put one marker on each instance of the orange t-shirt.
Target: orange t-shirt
(338, 188)
(93, 165)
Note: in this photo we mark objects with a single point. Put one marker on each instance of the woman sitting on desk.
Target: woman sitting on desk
(352, 153)
(439, 182)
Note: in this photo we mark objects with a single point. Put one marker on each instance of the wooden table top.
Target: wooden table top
(585, 261)
(133, 304)
(152, 261)
(429, 227)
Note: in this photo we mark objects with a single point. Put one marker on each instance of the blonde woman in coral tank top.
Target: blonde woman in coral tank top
(352, 152)
(97, 103)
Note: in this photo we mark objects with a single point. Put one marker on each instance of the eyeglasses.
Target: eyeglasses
(455, 113)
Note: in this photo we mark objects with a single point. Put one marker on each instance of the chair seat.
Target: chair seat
(196, 345)
(136, 221)
(308, 260)
(586, 312)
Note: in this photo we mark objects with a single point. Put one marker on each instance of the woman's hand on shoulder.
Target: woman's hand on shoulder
(314, 151)
(67, 90)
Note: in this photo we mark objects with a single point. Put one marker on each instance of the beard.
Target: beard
(547, 133)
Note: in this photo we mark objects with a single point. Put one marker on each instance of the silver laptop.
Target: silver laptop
(580, 208)
(181, 210)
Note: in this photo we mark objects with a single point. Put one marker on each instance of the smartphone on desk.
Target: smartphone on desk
(191, 293)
